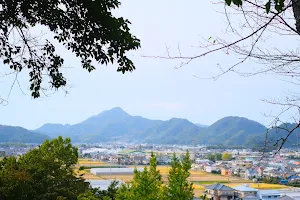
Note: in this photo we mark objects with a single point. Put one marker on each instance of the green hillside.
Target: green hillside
(117, 125)
(20, 135)
(231, 131)
(107, 126)
(173, 131)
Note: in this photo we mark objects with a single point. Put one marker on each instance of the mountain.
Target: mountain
(117, 125)
(173, 131)
(20, 135)
(53, 130)
(201, 125)
(281, 132)
(109, 125)
(231, 131)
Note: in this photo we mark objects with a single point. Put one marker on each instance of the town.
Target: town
(240, 173)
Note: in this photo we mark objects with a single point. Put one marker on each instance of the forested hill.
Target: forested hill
(20, 135)
(117, 125)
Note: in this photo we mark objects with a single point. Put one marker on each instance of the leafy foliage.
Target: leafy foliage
(226, 156)
(211, 157)
(110, 193)
(43, 173)
(178, 186)
(85, 27)
(277, 4)
(145, 185)
(218, 156)
(148, 184)
(214, 157)
(47, 173)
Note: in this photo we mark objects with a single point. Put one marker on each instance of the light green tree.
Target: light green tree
(226, 156)
(146, 184)
(178, 186)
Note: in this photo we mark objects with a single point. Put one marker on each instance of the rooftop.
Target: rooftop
(219, 186)
(269, 192)
(245, 188)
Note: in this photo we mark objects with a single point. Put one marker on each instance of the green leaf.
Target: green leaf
(237, 2)
(268, 6)
(6, 61)
(228, 2)
(278, 7)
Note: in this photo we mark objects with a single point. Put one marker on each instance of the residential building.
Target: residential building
(268, 194)
(219, 192)
(243, 191)
(285, 198)
(226, 172)
(210, 168)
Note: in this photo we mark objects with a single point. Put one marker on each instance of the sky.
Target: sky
(156, 89)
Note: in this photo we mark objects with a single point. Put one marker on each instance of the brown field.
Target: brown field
(200, 179)
(89, 162)
(262, 186)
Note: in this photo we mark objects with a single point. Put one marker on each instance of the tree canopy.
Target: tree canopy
(148, 183)
(226, 156)
(47, 172)
(85, 27)
(42, 173)
(178, 186)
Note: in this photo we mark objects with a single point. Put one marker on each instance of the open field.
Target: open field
(200, 179)
(261, 186)
(89, 162)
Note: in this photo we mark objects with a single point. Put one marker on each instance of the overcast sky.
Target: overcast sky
(156, 89)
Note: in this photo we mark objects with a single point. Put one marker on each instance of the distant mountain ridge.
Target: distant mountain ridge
(173, 131)
(232, 131)
(117, 125)
(110, 125)
(15, 134)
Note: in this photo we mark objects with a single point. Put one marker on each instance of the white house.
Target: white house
(268, 194)
(246, 192)
(210, 168)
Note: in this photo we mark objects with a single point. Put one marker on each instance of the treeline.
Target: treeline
(47, 173)
(219, 156)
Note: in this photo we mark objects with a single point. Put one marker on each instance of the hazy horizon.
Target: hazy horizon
(155, 90)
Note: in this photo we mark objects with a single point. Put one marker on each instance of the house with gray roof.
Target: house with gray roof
(268, 194)
(246, 192)
(285, 197)
(219, 192)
